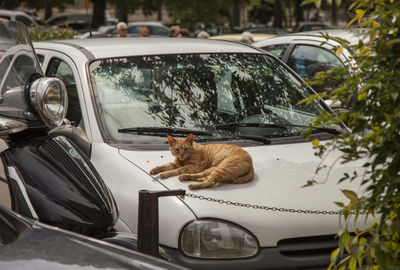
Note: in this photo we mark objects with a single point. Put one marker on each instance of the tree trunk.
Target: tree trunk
(99, 8)
(48, 11)
(236, 13)
(334, 13)
(278, 14)
(159, 11)
(299, 12)
(121, 13)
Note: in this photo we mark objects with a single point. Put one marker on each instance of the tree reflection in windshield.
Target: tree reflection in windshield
(199, 91)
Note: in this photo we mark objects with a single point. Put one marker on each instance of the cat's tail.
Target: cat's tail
(247, 177)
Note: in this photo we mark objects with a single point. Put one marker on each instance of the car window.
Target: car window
(159, 31)
(60, 69)
(19, 70)
(5, 196)
(40, 58)
(277, 49)
(134, 29)
(197, 91)
(24, 20)
(307, 60)
(5, 17)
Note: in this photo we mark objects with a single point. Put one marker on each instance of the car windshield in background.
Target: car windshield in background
(143, 98)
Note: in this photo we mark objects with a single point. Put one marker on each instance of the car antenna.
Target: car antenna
(89, 22)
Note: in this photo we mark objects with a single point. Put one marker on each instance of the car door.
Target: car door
(308, 58)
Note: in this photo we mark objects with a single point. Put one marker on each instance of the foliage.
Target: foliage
(38, 33)
(261, 12)
(374, 115)
(190, 13)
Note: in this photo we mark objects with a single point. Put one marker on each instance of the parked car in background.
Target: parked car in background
(29, 244)
(310, 52)
(32, 13)
(80, 22)
(157, 29)
(19, 16)
(237, 37)
(132, 96)
(218, 30)
(310, 26)
(268, 30)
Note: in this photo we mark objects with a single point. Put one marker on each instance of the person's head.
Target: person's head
(144, 32)
(203, 34)
(174, 31)
(122, 29)
(184, 33)
(247, 37)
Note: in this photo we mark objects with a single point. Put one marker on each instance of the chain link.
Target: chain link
(262, 207)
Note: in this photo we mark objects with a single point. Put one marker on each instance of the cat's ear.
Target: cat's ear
(171, 139)
(190, 138)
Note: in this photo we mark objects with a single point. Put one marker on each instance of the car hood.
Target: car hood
(271, 206)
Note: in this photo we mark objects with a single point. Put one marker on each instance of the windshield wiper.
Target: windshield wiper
(163, 131)
(253, 138)
(236, 124)
(332, 130)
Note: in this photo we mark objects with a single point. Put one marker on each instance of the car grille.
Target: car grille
(308, 246)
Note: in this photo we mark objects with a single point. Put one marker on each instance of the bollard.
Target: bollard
(148, 241)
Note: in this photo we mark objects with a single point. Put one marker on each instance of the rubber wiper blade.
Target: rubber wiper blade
(163, 131)
(254, 138)
(251, 124)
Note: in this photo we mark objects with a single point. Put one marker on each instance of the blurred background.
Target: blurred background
(216, 17)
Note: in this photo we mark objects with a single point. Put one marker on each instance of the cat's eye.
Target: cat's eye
(186, 149)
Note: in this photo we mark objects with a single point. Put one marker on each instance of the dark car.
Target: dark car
(28, 244)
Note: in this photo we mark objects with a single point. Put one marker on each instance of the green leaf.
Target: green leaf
(350, 195)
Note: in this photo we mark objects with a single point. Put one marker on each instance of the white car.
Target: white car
(128, 94)
(310, 52)
(19, 16)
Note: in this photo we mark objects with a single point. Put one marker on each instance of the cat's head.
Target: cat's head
(181, 148)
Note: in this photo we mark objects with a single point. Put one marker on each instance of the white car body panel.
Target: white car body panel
(280, 170)
(280, 173)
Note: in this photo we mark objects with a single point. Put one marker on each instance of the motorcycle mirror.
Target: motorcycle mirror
(48, 96)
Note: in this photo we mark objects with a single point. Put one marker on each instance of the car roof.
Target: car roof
(132, 46)
(146, 23)
(351, 35)
(16, 12)
(238, 36)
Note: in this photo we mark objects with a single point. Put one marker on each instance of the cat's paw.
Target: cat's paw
(164, 175)
(193, 186)
(155, 171)
(184, 177)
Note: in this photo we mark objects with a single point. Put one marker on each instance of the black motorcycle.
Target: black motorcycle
(45, 172)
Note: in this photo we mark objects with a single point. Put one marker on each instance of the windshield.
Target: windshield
(225, 93)
(17, 63)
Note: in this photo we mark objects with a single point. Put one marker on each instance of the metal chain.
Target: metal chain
(262, 207)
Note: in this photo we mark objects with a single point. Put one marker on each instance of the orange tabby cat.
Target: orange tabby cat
(210, 164)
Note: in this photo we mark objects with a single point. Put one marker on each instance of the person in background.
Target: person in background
(122, 29)
(203, 34)
(144, 32)
(247, 38)
(184, 33)
(174, 31)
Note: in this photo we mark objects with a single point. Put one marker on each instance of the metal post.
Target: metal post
(148, 241)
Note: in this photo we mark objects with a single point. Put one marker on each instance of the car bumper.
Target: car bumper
(266, 259)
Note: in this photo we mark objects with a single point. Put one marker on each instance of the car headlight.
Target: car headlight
(215, 239)
(49, 98)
